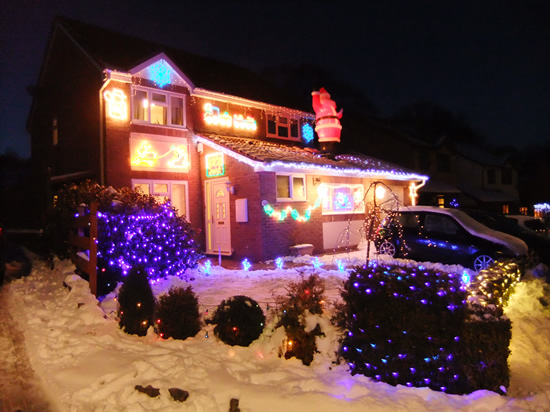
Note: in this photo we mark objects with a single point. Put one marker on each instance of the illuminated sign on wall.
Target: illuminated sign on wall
(158, 155)
(116, 104)
(212, 116)
(214, 165)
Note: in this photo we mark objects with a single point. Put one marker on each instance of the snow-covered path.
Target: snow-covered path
(19, 387)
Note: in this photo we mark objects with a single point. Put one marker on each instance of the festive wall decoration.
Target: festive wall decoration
(307, 133)
(160, 73)
(117, 108)
(327, 126)
(214, 165)
(290, 211)
(153, 154)
(213, 117)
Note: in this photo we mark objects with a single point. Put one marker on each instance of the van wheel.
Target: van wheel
(387, 248)
(482, 261)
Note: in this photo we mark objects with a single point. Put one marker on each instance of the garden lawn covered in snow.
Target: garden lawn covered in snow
(86, 363)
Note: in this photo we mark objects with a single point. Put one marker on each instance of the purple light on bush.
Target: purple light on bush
(368, 291)
(424, 301)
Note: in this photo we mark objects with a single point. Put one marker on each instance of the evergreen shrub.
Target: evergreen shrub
(303, 298)
(133, 229)
(177, 315)
(414, 327)
(239, 321)
(136, 303)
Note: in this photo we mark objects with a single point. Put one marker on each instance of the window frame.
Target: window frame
(279, 124)
(331, 188)
(293, 197)
(152, 182)
(168, 106)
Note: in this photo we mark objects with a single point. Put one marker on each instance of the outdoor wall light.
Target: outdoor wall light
(230, 188)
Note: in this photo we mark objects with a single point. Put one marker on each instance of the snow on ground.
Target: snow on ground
(86, 363)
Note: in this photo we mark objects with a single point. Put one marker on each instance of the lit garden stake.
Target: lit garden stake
(207, 266)
(341, 265)
(279, 262)
(246, 264)
(465, 278)
(317, 263)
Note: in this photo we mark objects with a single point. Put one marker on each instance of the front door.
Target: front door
(218, 229)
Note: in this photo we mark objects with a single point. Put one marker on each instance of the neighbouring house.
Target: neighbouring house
(460, 174)
(235, 155)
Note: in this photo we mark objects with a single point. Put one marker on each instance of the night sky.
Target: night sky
(489, 60)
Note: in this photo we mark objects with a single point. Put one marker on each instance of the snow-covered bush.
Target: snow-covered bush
(177, 315)
(239, 321)
(303, 298)
(136, 303)
(133, 229)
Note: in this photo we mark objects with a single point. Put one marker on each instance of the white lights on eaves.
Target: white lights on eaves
(392, 174)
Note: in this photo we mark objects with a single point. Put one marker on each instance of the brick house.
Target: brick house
(235, 155)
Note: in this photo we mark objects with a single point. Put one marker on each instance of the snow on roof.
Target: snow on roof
(264, 155)
(475, 228)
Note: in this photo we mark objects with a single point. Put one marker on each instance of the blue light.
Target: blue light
(465, 278)
(279, 262)
(160, 73)
(207, 266)
(317, 263)
(307, 132)
(246, 264)
(341, 265)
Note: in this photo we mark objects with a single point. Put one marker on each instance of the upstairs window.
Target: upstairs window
(282, 126)
(291, 187)
(160, 108)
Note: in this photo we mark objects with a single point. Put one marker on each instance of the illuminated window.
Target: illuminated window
(291, 187)
(505, 209)
(523, 210)
(441, 201)
(160, 108)
(281, 126)
(175, 191)
(341, 198)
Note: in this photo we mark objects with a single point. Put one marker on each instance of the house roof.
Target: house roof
(115, 51)
(271, 155)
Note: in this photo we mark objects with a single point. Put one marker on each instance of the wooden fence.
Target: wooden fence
(83, 240)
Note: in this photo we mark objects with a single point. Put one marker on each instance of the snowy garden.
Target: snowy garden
(86, 362)
(170, 329)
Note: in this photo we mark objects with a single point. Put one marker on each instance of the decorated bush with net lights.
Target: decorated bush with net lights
(239, 321)
(415, 327)
(133, 229)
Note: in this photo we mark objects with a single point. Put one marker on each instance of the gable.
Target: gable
(162, 71)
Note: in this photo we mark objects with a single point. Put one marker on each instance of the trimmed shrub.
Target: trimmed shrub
(136, 303)
(239, 321)
(302, 298)
(413, 327)
(177, 315)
